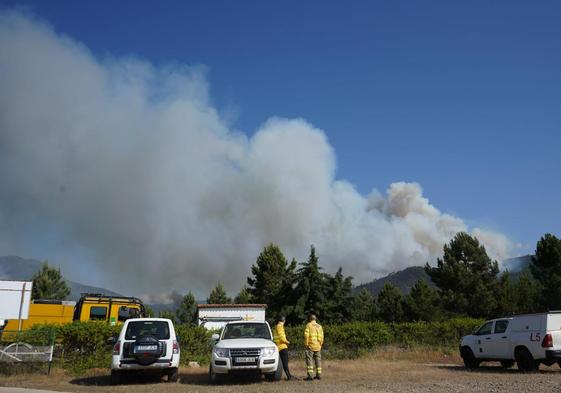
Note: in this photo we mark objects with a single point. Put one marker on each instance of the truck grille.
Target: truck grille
(245, 352)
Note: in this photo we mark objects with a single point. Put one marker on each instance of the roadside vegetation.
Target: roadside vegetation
(469, 289)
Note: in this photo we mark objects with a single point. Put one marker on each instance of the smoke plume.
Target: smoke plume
(127, 175)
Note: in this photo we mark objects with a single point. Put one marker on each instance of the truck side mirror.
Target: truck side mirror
(215, 337)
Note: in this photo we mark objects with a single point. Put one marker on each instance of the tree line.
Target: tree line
(467, 283)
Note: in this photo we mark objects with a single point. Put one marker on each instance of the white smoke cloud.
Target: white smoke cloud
(128, 171)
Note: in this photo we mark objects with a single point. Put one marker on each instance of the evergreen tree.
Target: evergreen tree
(507, 302)
(272, 281)
(187, 311)
(466, 278)
(363, 306)
(218, 296)
(244, 297)
(390, 304)
(422, 303)
(546, 269)
(526, 294)
(48, 283)
(310, 288)
(338, 298)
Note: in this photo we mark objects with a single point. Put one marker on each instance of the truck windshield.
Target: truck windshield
(156, 329)
(246, 330)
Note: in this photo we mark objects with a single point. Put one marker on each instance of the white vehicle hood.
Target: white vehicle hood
(245, 343)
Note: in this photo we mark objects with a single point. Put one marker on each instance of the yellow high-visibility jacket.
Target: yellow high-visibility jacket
(279, 336)
(313, 336)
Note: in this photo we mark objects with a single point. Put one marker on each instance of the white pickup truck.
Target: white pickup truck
(244, 347)
(527, 340)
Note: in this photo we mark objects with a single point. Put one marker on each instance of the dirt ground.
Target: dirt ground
(383, 372)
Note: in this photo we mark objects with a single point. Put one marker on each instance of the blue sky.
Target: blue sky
(462, 97)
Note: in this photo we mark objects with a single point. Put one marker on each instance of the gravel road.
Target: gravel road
(363, 375)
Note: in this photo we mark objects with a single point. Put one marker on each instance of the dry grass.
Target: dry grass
(389, 370)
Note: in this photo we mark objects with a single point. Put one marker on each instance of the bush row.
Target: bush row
(85, 345)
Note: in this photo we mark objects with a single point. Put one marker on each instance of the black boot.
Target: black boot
(318, 376)
(309, 378)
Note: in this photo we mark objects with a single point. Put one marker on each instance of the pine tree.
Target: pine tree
(218, 296)
(466, 278)
(187, 311)
(390, 304)
(48, 283)
(310, 288)
(364, 306)
(527, 294)
(272, 282)
(422, 303)
(244, 297)
(546, 269)
(338, 297)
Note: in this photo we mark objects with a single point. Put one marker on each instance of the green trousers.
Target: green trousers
(313, 358)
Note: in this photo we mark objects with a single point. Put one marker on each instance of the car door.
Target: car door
(499, 345)
(484, 341)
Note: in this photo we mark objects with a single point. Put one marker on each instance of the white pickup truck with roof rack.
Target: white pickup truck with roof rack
(529, 340)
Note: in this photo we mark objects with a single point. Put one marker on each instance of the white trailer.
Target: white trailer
(15, 297)
(215, 316)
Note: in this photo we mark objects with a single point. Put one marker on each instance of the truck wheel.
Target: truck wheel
(525, 361)
(173, 374)
(507, 363)
(276, 376)
(116, 377)
(214, 378)
(470, 361)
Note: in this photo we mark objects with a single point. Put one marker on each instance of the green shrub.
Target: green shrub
(84, 345)
(195, 343)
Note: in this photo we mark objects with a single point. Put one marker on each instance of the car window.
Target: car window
(486, 328)
(156, 329)
(98, 313)
(246, 330)
(500, 326)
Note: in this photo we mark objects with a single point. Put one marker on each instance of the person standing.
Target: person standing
(313, 340)
(279, 337)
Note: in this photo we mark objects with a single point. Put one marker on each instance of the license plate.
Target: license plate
(146, 348)
(245, 360)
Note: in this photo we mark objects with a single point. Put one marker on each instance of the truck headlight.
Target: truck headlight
(269, 351)
(221, 352)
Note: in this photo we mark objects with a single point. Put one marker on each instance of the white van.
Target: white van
(146, 345)
(527, 340)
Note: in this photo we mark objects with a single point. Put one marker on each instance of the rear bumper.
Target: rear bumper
(131, 364)
(553, 354)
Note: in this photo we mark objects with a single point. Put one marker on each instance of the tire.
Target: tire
(507, 363)
(277, 375)
(214, 378)
(147, 358)
(470, 361)
(116, 377)
(525, 361)
(173, 374)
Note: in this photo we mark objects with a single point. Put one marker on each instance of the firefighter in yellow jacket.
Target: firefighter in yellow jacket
(313, 340)
(279, 337)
